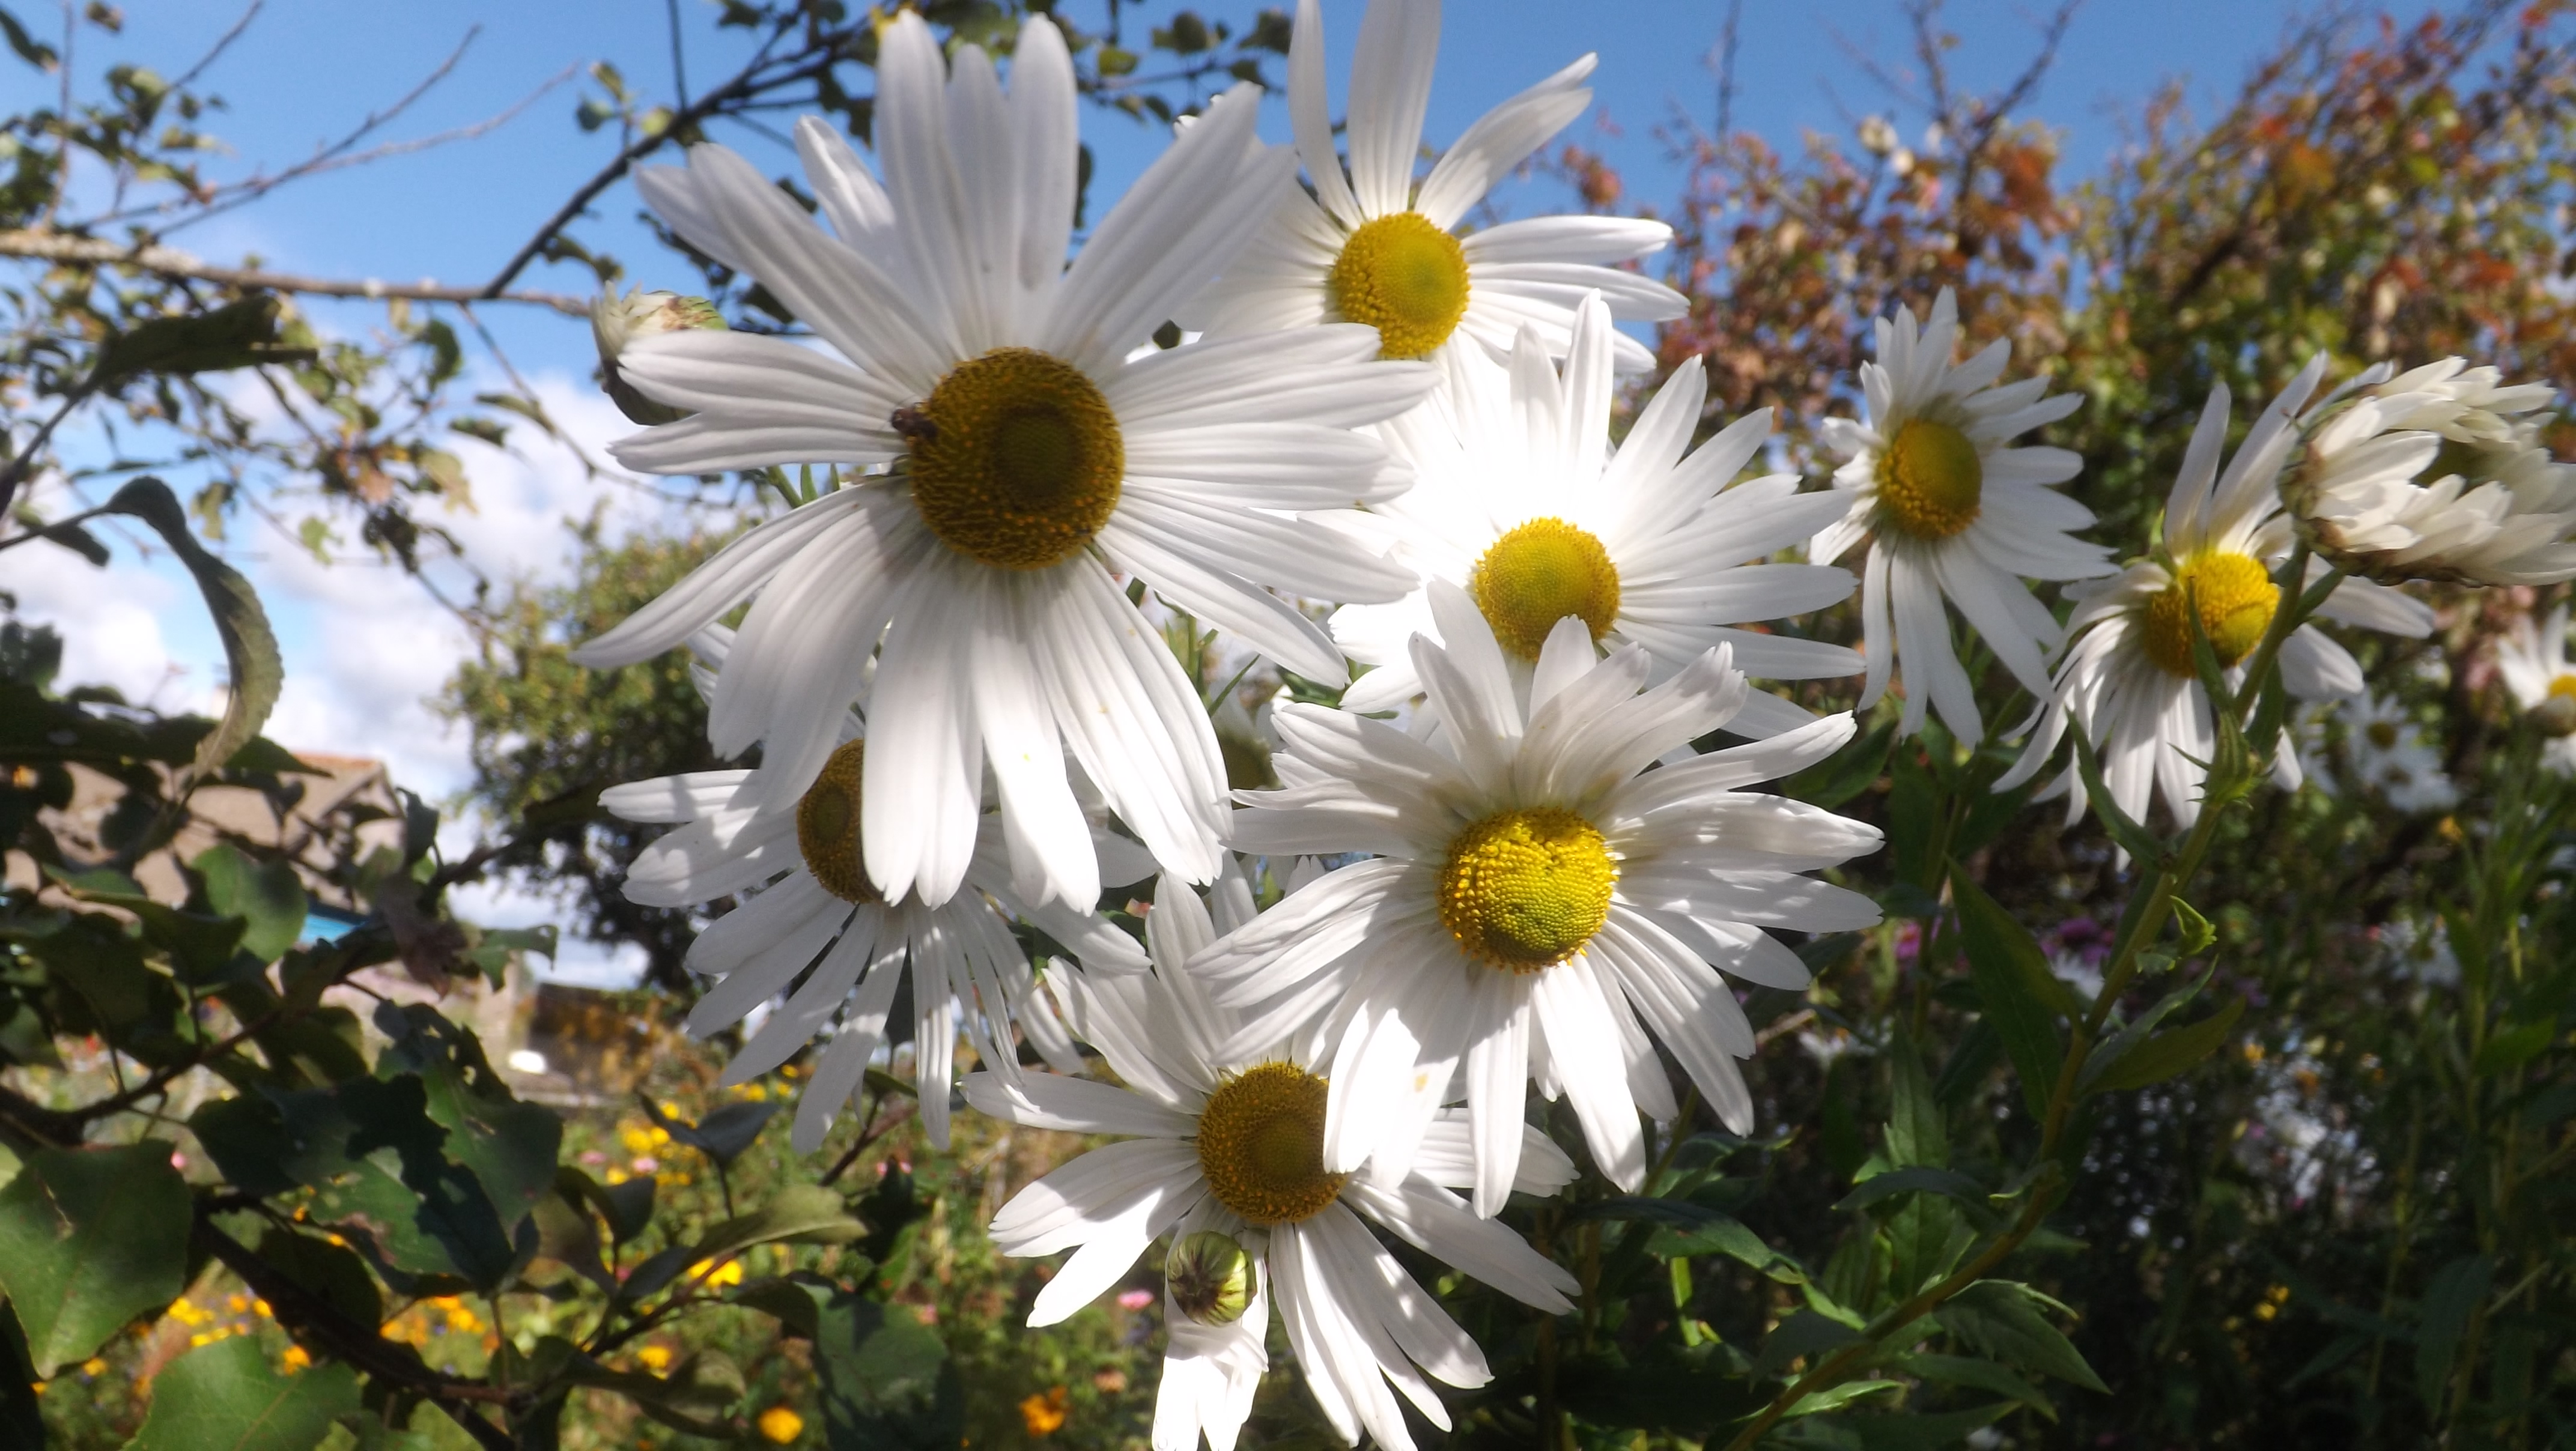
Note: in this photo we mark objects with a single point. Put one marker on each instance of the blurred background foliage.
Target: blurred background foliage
(2345, 1226)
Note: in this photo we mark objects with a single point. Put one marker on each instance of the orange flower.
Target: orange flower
(780, 1424)
(1044, 1415)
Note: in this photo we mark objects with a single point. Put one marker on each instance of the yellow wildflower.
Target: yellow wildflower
(1044, 1415)
(781, 1425)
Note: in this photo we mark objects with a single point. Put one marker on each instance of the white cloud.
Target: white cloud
(366, 647)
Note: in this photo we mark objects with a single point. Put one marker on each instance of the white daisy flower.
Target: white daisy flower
(1032, 462)
(1538, 907)
(2391, 756)
(1369, 247)
(1519, 500)
(2128, 677)
(2536, 669)
(813, 926)
(1949, 512)
(2497, 509)
(1223, 1152)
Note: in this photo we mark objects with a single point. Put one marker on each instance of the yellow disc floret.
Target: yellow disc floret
(1404, 277)
(1931, 481)
(827, 826)
(2236, 603)
(1261, 1145)
(1015, 459)
(1525, 889)
(1538, 574)
(2556, 712)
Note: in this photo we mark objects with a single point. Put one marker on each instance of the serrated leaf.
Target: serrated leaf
(89, 1239)
(225, 1396)
(250, 646)
(2005, 1319)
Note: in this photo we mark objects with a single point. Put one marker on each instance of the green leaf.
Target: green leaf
(1983, 1375)
(798, 1214)
(1836, 1397)
(31, 50)
(2194, 929)
(1807, 1333)
(1922, 1432)
(2168, 1053)
(237, 335)
(2450, 1298)
(2124, 1042)
(226, 1397)
(722, 1135)
(250, 646)
(1917, 1130)
(1721, 1234)
(265, 895)
(333, 1272)
(89, 1239)
(2017, 992)
(2004, 1320)
(2514, 1046)
(1919, 1179)
(886, 1384)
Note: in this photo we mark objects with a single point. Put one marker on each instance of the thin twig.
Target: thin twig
(222, 43)
(244, 193)
(52, 246)
(744, 81)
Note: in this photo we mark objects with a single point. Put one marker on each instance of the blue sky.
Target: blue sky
(364, 647)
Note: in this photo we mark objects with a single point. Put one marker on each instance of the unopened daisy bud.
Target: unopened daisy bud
(2556, 716)
(1211, 1277)
(2437, 474)
(616, 322)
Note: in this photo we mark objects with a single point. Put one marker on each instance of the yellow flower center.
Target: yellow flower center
(1538, 574)
(2383, 734)
(1523, 890)
(2564, 685)
(1404, 277)
(1016, 459)
(827, 826)
(1261, 1145)
(2236, 603)
(1931, 482)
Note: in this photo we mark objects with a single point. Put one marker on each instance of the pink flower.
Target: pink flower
(1135, 1299)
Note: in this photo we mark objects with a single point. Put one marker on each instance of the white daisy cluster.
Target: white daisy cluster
(969, 725)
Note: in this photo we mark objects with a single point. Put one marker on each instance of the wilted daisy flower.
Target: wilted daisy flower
(1031, 463)
(1519, 500)
(1224, 1154)
(1370, 248)
(1949, 511)
(824, 935)
(2536, 670)
(2129, 677)
(2439, 473)
(1538, 907)
(2391, 756)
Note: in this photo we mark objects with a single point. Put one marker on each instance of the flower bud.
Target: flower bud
(2556, 716)
(616, 322)
(1211, 1277)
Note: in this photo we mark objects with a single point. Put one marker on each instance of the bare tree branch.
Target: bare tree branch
(222, 43)
(53, 246)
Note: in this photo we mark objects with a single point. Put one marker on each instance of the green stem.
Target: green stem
(2172, 876)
